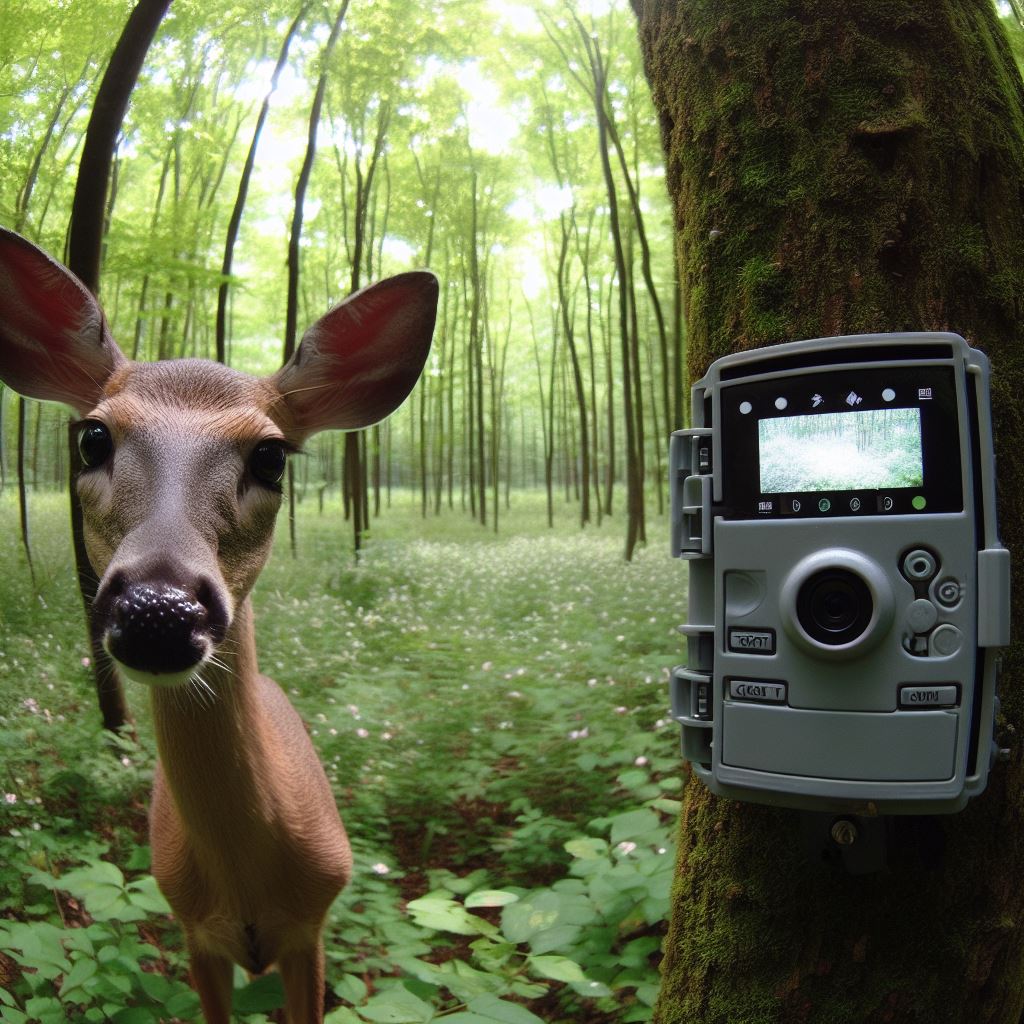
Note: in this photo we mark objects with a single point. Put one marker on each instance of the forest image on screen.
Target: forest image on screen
(873, 448)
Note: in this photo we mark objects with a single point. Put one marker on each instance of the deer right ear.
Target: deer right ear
(54, 339)
(360, 360)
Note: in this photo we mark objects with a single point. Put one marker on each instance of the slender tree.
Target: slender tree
(85, 240)
(295, 234)
(838, 170)
(235, 220)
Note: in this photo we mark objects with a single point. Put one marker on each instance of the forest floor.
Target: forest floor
(492, 713)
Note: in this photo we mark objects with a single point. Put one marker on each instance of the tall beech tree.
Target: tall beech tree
(838, 169)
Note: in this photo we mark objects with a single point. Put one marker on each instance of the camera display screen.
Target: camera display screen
(841, 451)
(843, 442)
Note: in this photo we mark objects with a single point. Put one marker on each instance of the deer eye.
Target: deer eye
(267, 462)
(94, 444)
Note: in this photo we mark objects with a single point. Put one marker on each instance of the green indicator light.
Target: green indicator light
(919, 502)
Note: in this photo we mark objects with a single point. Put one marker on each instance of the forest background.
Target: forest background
(491, 710)
(485, 683)
(459, 135)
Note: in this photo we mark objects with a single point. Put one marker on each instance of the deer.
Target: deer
(181, 479)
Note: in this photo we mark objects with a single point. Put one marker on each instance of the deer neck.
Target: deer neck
(212, 747)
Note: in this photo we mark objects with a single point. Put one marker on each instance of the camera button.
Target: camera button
(948, 593)
(946, 640)
(922, 615)
(752, 641)
(765, 691)
(928, 696)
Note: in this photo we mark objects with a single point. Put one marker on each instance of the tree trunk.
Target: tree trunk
(85, 242)
(235, 221)
(23, 491)
(295, 235)
(839, 169)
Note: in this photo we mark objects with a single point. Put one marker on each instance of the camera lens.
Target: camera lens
(834, 606)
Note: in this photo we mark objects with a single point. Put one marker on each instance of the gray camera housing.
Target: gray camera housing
(848, 594)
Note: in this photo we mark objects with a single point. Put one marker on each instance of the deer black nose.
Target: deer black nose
(159, 628)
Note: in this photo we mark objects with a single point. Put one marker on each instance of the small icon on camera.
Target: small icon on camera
(923, 394)
(816, 400)
(853, 398)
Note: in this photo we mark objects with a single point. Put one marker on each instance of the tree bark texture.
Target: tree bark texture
(840, 168)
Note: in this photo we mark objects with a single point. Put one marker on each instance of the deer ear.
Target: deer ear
(54, 340)
(358, 362)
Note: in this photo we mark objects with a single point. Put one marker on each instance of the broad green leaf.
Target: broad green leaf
(396, 1006)
(588, 848)
(490, 898)
(591, 989)
(558, 968)
(134, 1015)
(341, 1015)
(79, 974)
(633, 824)
(491, 1008)
(445, 915)
(351, 988)
(260, 996)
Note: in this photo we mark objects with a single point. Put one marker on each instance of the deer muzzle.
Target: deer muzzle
(160, 628)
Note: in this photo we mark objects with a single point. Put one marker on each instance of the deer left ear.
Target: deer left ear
(54, 340)
(358, 362)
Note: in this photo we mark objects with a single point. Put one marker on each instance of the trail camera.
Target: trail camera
(848, 594)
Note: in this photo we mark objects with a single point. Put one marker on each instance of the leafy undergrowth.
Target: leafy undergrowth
(492, 714)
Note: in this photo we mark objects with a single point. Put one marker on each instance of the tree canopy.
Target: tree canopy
(512, 147)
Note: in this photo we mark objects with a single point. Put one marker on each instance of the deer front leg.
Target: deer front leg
(302, 972)
(212, 978)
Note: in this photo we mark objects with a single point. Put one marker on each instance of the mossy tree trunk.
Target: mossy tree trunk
(839, 168)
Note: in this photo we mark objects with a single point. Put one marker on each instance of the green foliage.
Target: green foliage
(492, 715)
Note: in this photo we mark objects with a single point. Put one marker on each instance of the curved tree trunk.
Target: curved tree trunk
(838, 169)
(85, 240)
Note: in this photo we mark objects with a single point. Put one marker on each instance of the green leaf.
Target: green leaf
(446, 915)
(521, 921)
(633, 824)
(668, 806)
(156, 986)
(558, 968)
(79, 974)
(588, 848)
(490, 898)
(341, 1015)
(134, 1015)
(396, 1006)
(260, 996)
(144, 893)
(184, 1005)
(591, 989)
(351, 988)
(491, 1008)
